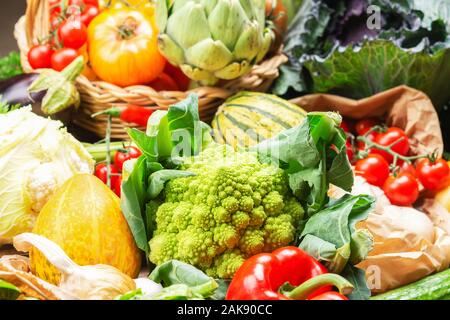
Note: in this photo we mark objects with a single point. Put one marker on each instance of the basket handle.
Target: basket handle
(37, 20)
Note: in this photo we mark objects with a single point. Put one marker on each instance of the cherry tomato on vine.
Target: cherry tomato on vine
(89, 13)
(387, 138)
(349, 148)
(40, 56)
(364, 125)
(72, 33)
(101, 172)
(344, 126)
(54, 6)
(130, 153)
(433, 175)
(79, 3)
(55, 20)
(117, 186)
(407, 167)
(402, 190)
(91, 2)
(374, 169)
(63, 57)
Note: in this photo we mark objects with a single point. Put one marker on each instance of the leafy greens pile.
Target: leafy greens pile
(336, 47)
(312, 155)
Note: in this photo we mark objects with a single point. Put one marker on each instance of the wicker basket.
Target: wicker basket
(97, 95)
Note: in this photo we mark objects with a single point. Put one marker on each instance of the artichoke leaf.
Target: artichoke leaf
(209, 54)
(249, 43)
(207, 78)
(188, 25)
(268, 39)
(233, 70)
(172, 51)
(226, 23)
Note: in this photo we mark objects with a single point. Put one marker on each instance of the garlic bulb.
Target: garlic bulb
(99, 282)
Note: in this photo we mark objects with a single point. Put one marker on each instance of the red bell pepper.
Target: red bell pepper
(271, 276)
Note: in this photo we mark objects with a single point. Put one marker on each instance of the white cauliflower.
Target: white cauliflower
(37, 155)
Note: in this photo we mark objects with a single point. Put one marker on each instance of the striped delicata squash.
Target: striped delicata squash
(248, 118)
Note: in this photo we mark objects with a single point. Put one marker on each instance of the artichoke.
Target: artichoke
(213, 39)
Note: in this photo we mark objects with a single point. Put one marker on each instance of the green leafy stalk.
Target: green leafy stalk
(304, 152)
(170, 134)
(331, 236)
(180, 281)
(10, 66)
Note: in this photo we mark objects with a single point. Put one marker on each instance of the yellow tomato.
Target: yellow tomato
(120, 4)
(123, 50)
(87, 71)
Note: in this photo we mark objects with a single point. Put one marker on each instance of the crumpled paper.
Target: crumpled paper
(408, 244)
(402, 107)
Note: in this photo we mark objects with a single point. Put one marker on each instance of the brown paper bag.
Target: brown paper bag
(408, 245)
(402, 106)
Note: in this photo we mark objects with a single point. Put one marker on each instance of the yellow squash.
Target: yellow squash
(85, 220)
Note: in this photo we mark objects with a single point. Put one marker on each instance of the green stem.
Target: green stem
(73, 70)
(306, 288)
(98, 151)
(370, 144)
(114, 112)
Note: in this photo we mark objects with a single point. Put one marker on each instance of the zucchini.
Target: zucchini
(434, 287)
(8, 291)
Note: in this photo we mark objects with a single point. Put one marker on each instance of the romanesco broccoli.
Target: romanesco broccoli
(233, 208)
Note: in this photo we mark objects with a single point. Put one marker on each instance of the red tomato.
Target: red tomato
(402, 190)
(180, 78)
(374, 169)
(389, 137)
(54, 6)
(40, 56)
(407, 167)
(362, 126)
(91, 2)
(164, 83)
(117, 186)
(63, 57)
(433, 175)
(72, 33)
(371, 136)
(55, 20)
(121, 157)
(89, 13)
(345, 126)
(79, 3)
(101, 172)
(350, 152)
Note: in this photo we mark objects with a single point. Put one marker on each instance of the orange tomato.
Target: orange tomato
(123, 47)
